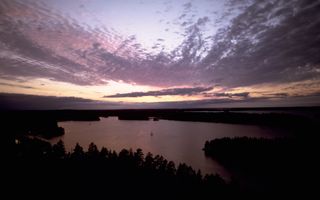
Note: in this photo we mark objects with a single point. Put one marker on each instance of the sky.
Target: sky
(98, 54)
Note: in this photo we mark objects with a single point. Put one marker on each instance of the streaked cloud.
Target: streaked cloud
(31, 102)
(15, 85)
(164, 92)
(229, 95)
(236, 45)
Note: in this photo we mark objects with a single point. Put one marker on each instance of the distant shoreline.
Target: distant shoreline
(45, 121)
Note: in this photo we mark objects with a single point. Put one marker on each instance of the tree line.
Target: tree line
(268, 165)
(38, 165)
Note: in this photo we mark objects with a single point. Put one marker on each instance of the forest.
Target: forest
(35, 168)
(277, 165)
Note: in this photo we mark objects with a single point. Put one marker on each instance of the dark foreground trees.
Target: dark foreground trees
(269, 166)
(35, 168)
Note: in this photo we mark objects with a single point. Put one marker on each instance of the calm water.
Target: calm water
(175, 140)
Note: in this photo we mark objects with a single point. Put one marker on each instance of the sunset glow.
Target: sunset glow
(202, 53)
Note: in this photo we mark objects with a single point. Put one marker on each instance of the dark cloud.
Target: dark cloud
(182, 16)
(282, 94)
(171, 91)
(22, 55)
(15, 85)
(187, 6)
(229, 102)
(269, 42)
(202, 21)
(229, 95)
(35, 102)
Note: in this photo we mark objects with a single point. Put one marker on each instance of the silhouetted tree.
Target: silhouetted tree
(93, 151)
(171, 169)
(104, 152)
(199, 175)
(185, 170)
(58, 150)
(138, 157)
(81, 171)
(124, 153)
(149, 161)
(78, 152)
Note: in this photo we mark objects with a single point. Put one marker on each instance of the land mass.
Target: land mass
(44, 123)
(278, 165)
(37, 168)
(260, 166)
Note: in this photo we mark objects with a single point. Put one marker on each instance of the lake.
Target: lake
(179, 141)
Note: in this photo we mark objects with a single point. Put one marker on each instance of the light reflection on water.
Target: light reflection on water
(175, 140)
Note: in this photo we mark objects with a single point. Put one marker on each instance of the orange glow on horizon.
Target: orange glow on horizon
(46, 87)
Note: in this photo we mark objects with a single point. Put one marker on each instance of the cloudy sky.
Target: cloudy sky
(161, 53)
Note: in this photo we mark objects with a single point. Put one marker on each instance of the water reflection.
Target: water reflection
(175, 140)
